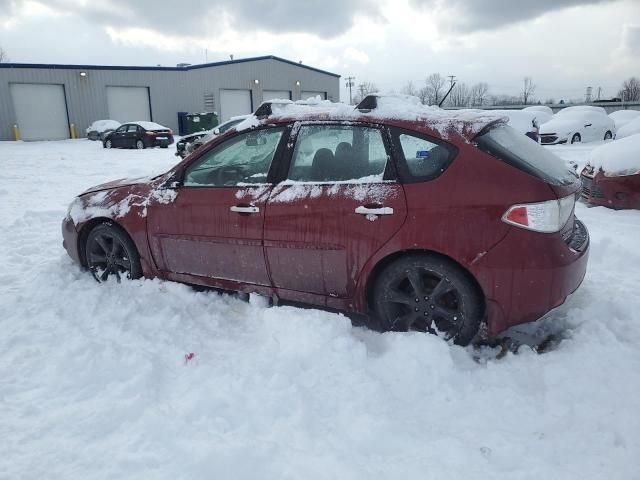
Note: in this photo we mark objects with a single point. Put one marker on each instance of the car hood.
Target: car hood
(123, 182)
(195, 136)
(561, 125)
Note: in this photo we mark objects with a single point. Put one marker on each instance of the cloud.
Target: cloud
(630, 41)
(324, 19)
(475, 15)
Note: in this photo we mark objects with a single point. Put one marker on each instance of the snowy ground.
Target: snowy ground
(94, 383)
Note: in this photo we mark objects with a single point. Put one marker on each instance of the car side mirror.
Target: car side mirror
(174, 182)
(216, 131)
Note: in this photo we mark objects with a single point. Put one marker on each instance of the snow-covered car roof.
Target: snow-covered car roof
(631, 128)
(573, 118)
(389, 109)
(582, 108)
(617, 158)
(150, 125)
(538, 108)
(102, 125)
(623, 117)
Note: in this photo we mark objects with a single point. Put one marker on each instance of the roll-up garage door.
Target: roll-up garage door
(276, 95)
(234, 102)
(307, 94)
(41, 111)
(128, 104)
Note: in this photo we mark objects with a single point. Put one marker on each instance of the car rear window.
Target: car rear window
(520, 151)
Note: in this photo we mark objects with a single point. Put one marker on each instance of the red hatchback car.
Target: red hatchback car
(420, 218)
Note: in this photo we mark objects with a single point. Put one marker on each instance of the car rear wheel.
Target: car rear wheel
(110, 253)
(428, 293)
(576, 138)
(107, 144)
(139, 144)
(608, 135)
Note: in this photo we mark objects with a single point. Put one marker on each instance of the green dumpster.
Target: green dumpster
(197, 122)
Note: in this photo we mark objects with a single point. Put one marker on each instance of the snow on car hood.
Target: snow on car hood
(564, 124)
(618, 158)
(631, 128)
(116, 199)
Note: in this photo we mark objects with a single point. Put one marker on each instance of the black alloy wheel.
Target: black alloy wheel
(576, 138)
(608, 135)
(428, 294)
(110, 253)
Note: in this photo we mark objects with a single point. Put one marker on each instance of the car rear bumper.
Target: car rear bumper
(528, 274)
(162, 142)
(70, 239)
(614, 192)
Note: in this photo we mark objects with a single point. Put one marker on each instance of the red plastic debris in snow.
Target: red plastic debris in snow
(188, 357)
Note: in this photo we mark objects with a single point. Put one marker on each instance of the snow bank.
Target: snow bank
(95, 383)
(617, 158)
(622, 117)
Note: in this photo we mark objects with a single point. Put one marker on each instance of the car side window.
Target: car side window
(243, 159)
(424, 159)
(132, 129)
(121, 129)
(338, 153)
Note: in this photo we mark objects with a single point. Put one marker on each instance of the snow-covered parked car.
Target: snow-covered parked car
(189, 143)
(582, 108)
(578, 125)
(326, 205)
(99, 129)
(628, 129)
(543, 113)
(623, 117)
(611, 177)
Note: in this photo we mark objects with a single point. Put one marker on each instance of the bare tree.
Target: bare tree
(409, 89)
(479, 94)
(3, 55)
(434, 85)
(528, 90)
(630, 91)
(364, 89)
(460, 96)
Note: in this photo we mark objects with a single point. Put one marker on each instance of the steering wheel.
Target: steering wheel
(228, 175)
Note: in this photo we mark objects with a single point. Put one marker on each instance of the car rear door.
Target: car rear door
(339, 204)
(214, 226)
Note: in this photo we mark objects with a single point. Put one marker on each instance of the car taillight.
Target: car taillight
(151, 134)
(546, 217)
(170, 132)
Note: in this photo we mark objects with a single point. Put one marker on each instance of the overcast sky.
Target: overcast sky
(565, 45)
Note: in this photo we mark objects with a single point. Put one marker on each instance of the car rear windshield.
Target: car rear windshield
(520, 151)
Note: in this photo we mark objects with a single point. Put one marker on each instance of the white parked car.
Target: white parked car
(631, 128)
(622, 117)
(577, 126)
(98, 129)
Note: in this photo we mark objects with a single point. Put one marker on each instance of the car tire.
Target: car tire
(110, 252)
(107, 144)
(608, 135)
(576, 138)
(427, 293)
(164, 146)
(140, 144)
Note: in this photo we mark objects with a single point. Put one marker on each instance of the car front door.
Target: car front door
(339, 204)
(117, 138)
(214, 226)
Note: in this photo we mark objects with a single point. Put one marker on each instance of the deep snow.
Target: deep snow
(94, 382)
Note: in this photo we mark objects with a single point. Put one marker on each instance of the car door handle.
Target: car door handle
(244, 209)
(374, 210)
(588, 124)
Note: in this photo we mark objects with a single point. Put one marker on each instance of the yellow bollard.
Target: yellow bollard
(74, 135)
(16, 132)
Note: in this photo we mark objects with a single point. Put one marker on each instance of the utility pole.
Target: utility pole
(599, 92)
(452, 80)
(350, 83)
(361, 87)
(587, 97)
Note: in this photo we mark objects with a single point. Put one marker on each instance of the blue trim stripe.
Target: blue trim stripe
(161, 69)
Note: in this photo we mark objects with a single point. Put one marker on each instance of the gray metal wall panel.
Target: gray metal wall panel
(170, 91)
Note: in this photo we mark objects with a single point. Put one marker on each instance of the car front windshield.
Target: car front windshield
(525, 154)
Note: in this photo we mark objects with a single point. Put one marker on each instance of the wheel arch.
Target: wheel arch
(86, 229)
(387, 260)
